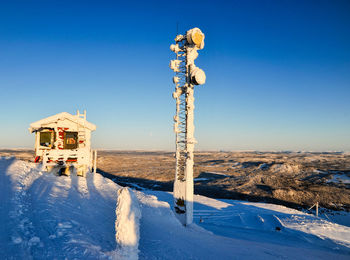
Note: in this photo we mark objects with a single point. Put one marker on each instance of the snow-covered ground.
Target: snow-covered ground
(339, 178)
(44, 216)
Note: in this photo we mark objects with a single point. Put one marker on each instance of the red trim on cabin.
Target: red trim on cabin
(36, 160)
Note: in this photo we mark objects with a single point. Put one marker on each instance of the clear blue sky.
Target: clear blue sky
(278, 72)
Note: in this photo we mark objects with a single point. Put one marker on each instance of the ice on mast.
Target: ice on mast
(187, 75)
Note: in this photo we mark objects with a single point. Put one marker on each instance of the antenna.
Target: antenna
(187, 75)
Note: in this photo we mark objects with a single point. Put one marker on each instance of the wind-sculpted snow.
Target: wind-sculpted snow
(127, 223)
(44, 216)
(235, 230)
(56, 217)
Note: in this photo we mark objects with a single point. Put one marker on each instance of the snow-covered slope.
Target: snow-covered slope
(237, 230)
(44, 216)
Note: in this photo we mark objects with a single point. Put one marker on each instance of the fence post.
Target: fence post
(95, 161)
(91, 160)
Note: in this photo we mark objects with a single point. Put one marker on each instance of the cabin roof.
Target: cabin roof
(61, 116)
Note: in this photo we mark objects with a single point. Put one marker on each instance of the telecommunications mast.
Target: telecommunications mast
(187, 75)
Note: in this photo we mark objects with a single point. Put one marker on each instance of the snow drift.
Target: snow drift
(127, 225)
(44, 216)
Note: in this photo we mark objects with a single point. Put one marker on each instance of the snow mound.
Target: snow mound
(127, 225)
(286, 168)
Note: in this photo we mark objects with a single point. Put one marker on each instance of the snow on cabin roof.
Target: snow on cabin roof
(61, 116)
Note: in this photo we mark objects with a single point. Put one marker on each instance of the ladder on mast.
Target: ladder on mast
(81, 129)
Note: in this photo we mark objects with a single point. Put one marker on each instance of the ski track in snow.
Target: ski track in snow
(50, 217)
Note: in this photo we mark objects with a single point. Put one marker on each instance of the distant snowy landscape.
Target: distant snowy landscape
(45, 216)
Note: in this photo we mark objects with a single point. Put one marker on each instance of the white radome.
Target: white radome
(198, 76)
(195, 37)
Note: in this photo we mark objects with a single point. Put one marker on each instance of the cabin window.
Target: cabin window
(70, 140)
(45, 139)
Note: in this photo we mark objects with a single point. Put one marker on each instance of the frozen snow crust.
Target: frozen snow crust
(44, 216)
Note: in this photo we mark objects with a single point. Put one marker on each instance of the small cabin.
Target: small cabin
(63, 143)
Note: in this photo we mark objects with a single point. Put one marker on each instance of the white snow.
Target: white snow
(227, 229)
(127, 223)
(201, 179)
(339, 178)
(218, 173)
(44, 216)
(285, 167)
